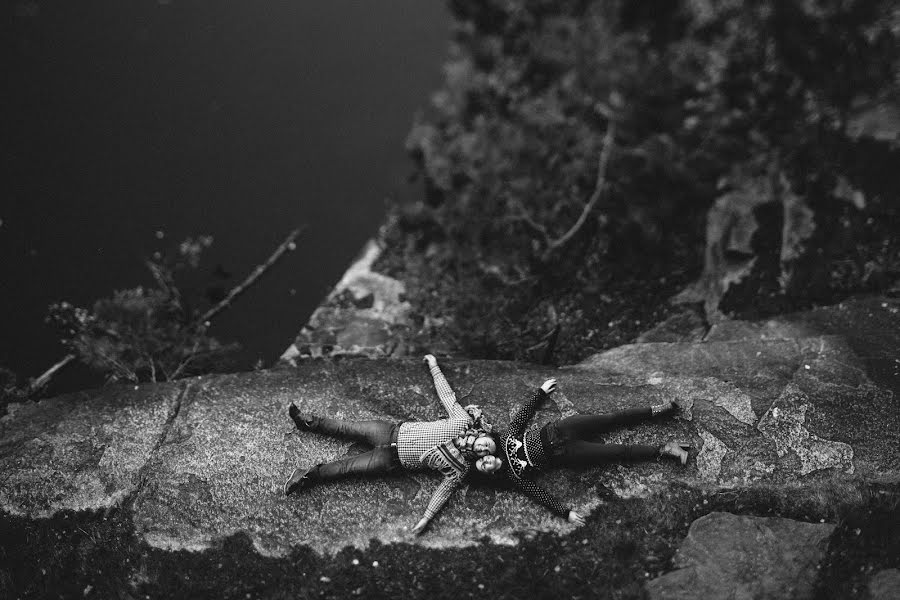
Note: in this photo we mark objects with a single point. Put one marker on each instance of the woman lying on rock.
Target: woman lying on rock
(565, 443)
(449, 445)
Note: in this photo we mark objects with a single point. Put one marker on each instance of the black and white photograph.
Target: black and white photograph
(446, 299)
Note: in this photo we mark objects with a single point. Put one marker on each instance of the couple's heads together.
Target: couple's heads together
(484, 449)
(481, 447)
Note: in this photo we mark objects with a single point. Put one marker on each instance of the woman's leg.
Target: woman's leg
(585, 426)
(578, 452)
(375, 432)
(582, 426)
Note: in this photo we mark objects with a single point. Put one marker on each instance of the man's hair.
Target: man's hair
(460, 442)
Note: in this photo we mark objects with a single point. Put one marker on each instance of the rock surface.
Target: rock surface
(727, 556)
(82, 451)
(365, 314)
(885, 585)
(206, 458)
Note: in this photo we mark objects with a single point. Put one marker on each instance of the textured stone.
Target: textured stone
(728, 556)
(784, 424)
(885, 585)
(222, 466)
(817, 402)
(212, 462)
(365, 314)
(870, 325)
(760, 368)
(709, 460)
(686, 325)
(81, 451)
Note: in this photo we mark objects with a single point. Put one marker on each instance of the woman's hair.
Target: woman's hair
(486, 477)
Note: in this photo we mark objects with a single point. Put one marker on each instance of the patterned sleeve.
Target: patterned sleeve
(445, 392)
(441, 495)
(525, 414)
(540, 495)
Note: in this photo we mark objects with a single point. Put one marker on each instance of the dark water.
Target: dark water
(240, 120)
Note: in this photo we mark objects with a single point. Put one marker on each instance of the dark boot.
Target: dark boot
(300, 479)
(676, 450)
(303, 422)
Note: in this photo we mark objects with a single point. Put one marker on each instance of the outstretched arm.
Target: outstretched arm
(445, 392)
(438, 500)
(526, 413)
(541, 496)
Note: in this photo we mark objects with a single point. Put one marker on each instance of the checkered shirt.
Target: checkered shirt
(415, 439)
(447, 459)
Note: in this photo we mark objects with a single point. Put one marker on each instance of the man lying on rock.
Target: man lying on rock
(566, 443)
(449, 445)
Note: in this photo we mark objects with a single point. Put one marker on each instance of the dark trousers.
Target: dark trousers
(381, 459)
(569, 439)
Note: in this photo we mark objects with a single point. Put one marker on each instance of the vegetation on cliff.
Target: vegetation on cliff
(575, 149)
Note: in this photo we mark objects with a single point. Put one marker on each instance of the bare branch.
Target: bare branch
(285, 246)
(495, 271)
(184, 363)
(608, 141)
(47, 375)
(526, 218)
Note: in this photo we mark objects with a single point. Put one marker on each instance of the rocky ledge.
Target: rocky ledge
(766, 404)
(785, 406)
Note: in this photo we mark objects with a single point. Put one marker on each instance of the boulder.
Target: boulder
(726, 556)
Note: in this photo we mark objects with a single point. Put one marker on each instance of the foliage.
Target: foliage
(704, 95)
(145, 333)
(10, 389)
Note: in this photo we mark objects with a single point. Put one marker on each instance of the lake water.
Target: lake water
(240, 120)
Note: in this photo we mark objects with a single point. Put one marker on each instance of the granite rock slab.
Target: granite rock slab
(83, 451)
(206, 459)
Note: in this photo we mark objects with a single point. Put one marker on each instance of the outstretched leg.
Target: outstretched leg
(379, 460)
(375, 432)
(578, 452)
(584, 426)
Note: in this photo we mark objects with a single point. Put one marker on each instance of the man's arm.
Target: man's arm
(438, 500)
(444, 391)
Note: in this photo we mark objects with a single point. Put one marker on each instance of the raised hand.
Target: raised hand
(575, 518)
(420, 526)
(430, 360)
(549, 386)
